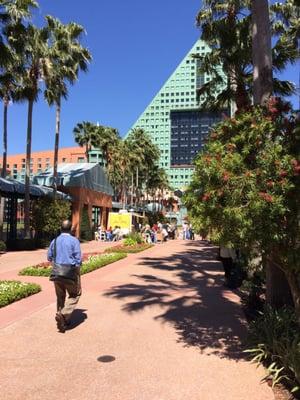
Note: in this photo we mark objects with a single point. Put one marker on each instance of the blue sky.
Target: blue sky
(135, 45)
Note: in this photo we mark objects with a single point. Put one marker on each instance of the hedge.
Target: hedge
(11, 291)
(93, 263)
(128, 249)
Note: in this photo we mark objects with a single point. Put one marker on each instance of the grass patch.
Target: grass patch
(136, 248)
(91, 264)
(11, 291)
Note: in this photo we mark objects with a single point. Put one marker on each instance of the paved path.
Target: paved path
(160, 319)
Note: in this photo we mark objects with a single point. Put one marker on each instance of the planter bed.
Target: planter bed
(90, 264)
(136, 248)
(11, 291)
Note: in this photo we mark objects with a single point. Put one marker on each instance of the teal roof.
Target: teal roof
(85, 175)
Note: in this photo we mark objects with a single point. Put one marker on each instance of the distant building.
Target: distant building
(189, 129)
(41, 161)
(174, 118)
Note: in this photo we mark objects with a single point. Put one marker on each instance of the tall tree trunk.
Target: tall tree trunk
(261, 52)
(262, 90)
(4, 163)
(27, 172)
(56, 146)
(131, 194)
(4, 159)
(294, 283)
(137, 186)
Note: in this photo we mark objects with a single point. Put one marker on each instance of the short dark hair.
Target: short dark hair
(66, 226)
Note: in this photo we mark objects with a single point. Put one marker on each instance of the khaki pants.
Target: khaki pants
(62, 287)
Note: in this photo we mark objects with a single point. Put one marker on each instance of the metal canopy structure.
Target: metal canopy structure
(13, 191)
(84, 175)
(9, 188)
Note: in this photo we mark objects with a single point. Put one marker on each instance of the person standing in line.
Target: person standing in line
(184, 230)
(64, 252)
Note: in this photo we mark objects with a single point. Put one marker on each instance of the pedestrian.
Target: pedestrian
(228, 257)
(184, 230)
(192, 233)
(65, 254)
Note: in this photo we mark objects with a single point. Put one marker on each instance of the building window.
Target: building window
(80, 159)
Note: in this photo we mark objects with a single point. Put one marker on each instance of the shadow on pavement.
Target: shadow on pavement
(188, 286)
(78, 317)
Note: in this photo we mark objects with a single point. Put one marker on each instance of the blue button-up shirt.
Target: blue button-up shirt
(67, 250)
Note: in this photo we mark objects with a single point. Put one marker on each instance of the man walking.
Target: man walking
(64, 252)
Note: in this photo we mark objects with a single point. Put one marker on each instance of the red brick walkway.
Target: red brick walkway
(162, 321)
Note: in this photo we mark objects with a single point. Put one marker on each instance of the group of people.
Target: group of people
(188, 231)
(110, 234)
(159, 232)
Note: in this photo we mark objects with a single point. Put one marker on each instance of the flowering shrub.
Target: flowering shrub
(11, 291)
(246, 186)
(90, 264)
(135, 248)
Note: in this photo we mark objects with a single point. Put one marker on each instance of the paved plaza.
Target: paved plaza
(157, 325)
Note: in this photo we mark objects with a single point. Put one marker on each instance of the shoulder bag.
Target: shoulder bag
(62, 271)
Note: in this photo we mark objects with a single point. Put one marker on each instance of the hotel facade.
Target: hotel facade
(175, 121)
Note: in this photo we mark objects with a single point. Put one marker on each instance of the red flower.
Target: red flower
(225, 177)
(206, 197)
(282, 173)
(266, 196)
(270, 184)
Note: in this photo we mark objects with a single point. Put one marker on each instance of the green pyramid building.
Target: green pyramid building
(175, 121)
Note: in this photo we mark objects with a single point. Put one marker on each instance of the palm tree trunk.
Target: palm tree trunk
(56, 146)
(4, 159)
(27, 172)
(4, 163)
(261, 52)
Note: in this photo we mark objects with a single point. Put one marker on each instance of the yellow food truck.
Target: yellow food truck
(125, 220)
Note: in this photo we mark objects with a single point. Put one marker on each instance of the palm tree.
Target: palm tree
(261, 52)
(36, 67)
(85, 135)
(106, 140)
(12, 14)
(147, 156)
(67, 58)
(226, 27)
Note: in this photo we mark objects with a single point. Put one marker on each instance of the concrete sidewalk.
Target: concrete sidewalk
(160, 323)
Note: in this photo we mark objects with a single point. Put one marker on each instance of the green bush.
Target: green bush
(11, 291)
(128, 249)
(47, 216)
(36, 270)
(134, 238)
(129, 242)
(2, 246)
(86, 232)
(93, 263)
(274, 341)
(252, 291)
(96, 262)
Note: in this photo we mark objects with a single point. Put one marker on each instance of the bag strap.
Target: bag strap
(54, 251)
